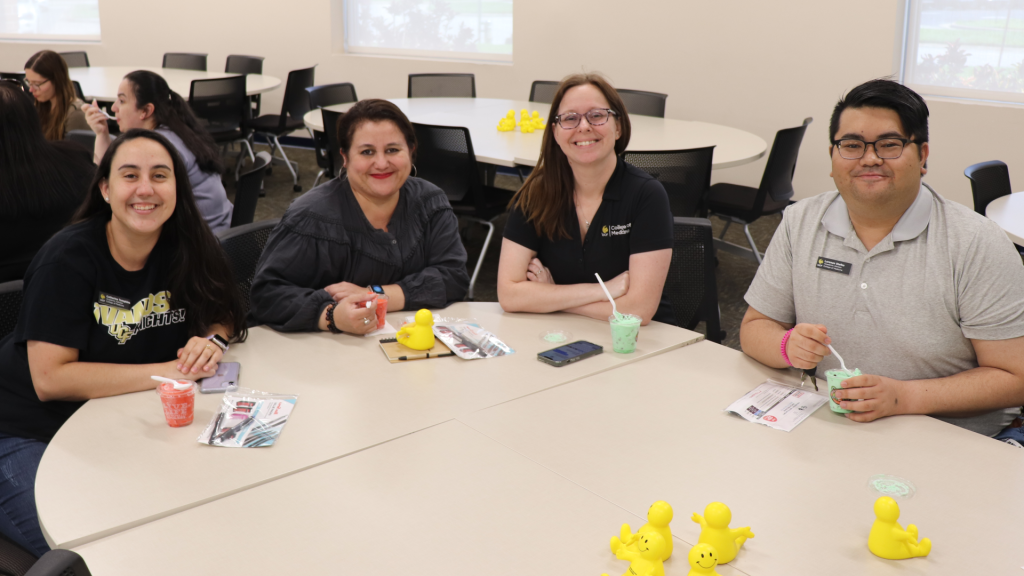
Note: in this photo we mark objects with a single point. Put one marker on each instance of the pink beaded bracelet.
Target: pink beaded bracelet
(782, 347)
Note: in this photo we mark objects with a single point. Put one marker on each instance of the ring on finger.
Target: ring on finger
(366, 321)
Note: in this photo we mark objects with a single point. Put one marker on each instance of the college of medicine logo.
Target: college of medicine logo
(821, 261)
(616, 230)
(604, 230)
(123, 322)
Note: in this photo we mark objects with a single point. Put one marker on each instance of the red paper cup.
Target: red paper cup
(179, 403)
(382, 309)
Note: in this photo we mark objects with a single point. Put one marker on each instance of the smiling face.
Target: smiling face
(586, 145)
(40, 86)
(378, 161)
(125, 110)
(651, 545)
(703, 558)
(141, 188)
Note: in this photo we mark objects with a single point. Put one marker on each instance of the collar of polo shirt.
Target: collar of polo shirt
(837, 218)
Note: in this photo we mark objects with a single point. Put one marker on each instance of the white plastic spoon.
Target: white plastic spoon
(841, 363)
(615, 311)
(177, 385)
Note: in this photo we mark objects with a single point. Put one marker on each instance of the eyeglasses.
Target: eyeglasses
(886, 148)
(596, 117)
(33, 86)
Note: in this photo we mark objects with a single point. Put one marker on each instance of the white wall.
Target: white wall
(755, 65)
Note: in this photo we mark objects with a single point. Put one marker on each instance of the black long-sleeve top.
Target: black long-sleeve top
(324, 238)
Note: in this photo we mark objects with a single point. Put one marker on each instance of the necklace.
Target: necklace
(579, 210)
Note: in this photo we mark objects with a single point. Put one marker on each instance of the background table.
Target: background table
(101, 82)
(733, 147)
(1008, 212)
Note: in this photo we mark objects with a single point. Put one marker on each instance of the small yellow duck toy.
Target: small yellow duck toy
(420, 334)
(646, 559)
(658, 517)
(703, 560)
(714, 530)
(889, 540)
(508, 123)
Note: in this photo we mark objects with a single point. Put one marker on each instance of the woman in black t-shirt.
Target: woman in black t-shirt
(137, 286)
(583, 211)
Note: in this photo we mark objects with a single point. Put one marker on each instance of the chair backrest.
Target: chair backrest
(690, 286)
(543, 91)
(445, 158)
(76, 59)
(777, 181)
(221, 102)
(333, 146)
(238, 64)
(296, 99)
(78, 90)
(989, 180)
(18, 77)
(185, 61)
(86, 138)
(244, 246)
(329, 94)
(10, 306)
(643, 102)
(247, 191)
(442, 86)
(59, 562)
(685, 174)
(14, 559)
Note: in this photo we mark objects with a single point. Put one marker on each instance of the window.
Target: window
(479, 30)
(49, 20)
(965, 49)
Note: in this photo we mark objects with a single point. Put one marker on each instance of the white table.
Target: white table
(481, 115)
(101, 82)
(116, 464)
(1008, 212)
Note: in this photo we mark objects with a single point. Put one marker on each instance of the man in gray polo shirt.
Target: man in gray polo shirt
(920, 293)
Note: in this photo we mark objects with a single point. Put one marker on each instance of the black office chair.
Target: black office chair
(87, 138)
(185, 61)
(78, 90)
(543, 91)
(331, 143)
(224, 109)
(328, 95)
(248, 189)
(743, 204)
(18, 77)
(989, 180)
(295, 105)
(643, 102)
(690, 286)
(244, 246)
(10, 306)
(238, 64)
(445, 157)
(685, 174)
(76, 59)
(442, 86)
(59, 562)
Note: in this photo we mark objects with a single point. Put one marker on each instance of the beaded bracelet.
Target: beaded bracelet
(782, 347)
(330, 319)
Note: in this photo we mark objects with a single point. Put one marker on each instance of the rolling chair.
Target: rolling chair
(185, 61)
(10, 306)
(685, 174)
(295, 105)
(223, 107)
(543, 91)
(59, 562)
(244, 246)
(238, 64)
(248, 188)
(989, 180)
(76, 59)
(643, 103)
(332, 144)
(328, 95)
(690, 286)
(442, 86)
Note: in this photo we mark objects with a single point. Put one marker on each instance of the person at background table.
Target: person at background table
(56, 102)
(373, 226)
(145, 101)
(136, 287)
(922, 294)
(41, 183)
(583, 210)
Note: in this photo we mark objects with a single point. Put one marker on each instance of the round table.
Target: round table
(1008, 212)
(733, 147)
(101, 82)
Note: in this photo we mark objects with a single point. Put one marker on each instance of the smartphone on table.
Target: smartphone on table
(568, 353)
(227, 375)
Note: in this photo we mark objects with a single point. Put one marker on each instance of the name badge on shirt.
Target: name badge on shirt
(108, 299)
(834, 265)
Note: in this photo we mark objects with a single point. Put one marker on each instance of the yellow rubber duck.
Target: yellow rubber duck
(889, 540)
(714, 530)
(658, 517)
(420, 334)
(646, 559)
(537, 121)
(703, 560)
(508, 123)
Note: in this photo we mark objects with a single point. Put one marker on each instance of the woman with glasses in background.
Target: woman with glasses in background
(59, 108)
(584, 211)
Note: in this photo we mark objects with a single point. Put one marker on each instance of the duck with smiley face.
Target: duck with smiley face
(703, 560)
(645, 560)
(658, 517)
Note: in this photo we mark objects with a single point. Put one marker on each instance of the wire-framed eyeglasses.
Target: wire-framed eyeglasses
(885, 148)
(596, 117)
(37, 86)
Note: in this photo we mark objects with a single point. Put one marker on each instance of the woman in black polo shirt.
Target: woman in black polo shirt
(584, 211)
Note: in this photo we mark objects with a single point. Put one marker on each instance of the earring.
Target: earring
(107, 200)
(413, 171)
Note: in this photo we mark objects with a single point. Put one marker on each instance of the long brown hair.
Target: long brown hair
(546, 196)
(54, 113)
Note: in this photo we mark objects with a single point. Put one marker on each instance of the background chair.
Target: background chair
(185, 61)
(743, 204)
(690, 285)
(685, 174)
(247, 191)
(86, 138)
(643, 103)
(59, 563)
(989, 180)
(295, 105)
(543, 91)
(442, 86)
(328, 95)
(224, 109)
(238, 64)
(76, 59)
(18, 77)
(331, 143)
(244, 246)
(78, 90)
(445, 157)
(10, 306)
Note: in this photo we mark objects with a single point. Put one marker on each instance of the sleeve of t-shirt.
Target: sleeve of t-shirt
(771, 292)
(652, 226)
(991, 287)
(57, 306)
(520, 231)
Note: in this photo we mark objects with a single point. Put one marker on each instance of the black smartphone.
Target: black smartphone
(227, 375)
(568, 353)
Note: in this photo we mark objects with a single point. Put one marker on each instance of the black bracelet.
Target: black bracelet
(330, 319)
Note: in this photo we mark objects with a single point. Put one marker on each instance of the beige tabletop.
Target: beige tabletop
(1008, 212)
(733, 147)
(101, 82)
(116, 464)
(656, 429)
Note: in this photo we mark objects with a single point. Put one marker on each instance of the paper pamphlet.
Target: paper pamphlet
(777, 405)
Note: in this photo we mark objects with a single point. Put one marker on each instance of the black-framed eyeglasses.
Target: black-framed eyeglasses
(596, 117)
(37, 86)
(885, 148)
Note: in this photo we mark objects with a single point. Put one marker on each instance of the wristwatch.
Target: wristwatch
(376, 289)
(219, 341)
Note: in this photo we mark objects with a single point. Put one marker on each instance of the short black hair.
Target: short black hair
(375, 110)
(885, 93)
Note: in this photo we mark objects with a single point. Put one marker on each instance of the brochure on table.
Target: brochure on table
(777, 405)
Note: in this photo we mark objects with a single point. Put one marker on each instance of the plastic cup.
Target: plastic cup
(835, 382)
(179, 401)
(625, 331)
(382, 309)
